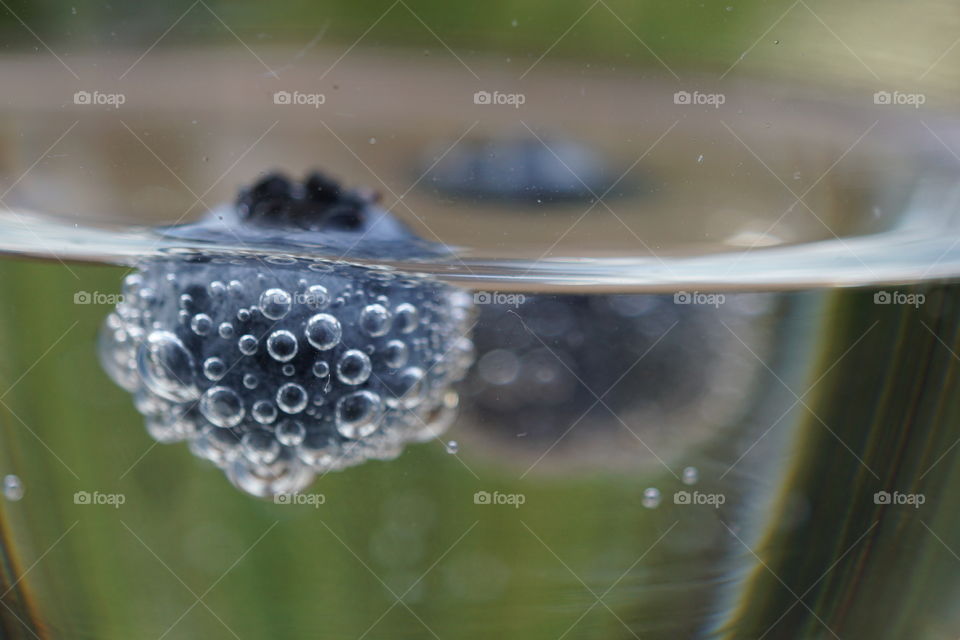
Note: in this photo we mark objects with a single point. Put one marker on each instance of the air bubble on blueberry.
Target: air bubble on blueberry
(222, 407)
(317, 297)
(290, 432)
(321, 369)
(275, 303)
(214, 368)
(358, 414)
(247, 344)
(323, 331)
(282, 345)
(396, 353)
(354, 367)
(225, 330)
(201, 324)
(264, 411)
(375, 320)
(260, 447)
(166, 367)
(406, 318)
(409, 388)
(291, 398)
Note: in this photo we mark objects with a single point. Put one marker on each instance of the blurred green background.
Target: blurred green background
(854, 41)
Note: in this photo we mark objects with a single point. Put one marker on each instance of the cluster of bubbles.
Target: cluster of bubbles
(651, 495)
(281, 368)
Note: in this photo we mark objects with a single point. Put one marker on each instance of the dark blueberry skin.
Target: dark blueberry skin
(279, 367)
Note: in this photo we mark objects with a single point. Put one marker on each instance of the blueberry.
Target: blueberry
(315, 216)
(279, 367)
(543, 364)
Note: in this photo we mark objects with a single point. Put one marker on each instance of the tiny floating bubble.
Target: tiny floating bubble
(12, 487)
(690, 475)
(651, 498)
(453, 447)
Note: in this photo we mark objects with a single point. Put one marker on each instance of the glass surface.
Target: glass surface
(705, 262)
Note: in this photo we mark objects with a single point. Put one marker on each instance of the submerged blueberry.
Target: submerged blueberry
(277, 368)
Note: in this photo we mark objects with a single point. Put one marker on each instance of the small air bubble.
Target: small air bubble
(290, 433)
(690, 475)
(292, 398)
(201, 324)
(354, 367)
(282, 345)
(275, 303)
(247, 345)
(651, 498)
(264, 411)
(12, 487)
(453, 447)
(214, 368)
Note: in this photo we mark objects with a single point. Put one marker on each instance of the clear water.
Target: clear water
(725, 424)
